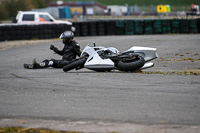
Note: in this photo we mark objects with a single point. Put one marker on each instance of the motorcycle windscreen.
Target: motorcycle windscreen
(96, 63)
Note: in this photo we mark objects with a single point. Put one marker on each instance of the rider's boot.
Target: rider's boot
(36, 65)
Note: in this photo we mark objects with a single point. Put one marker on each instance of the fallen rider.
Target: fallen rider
(69, 52)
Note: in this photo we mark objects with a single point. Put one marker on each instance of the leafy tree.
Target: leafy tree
(9, 8)
(3, 13)
(39, 3)
(25, 5)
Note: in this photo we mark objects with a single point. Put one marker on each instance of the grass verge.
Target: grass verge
(185, 72)
(30, 130)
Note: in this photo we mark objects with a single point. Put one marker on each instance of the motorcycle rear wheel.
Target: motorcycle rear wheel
(78, 63)
(131, 65)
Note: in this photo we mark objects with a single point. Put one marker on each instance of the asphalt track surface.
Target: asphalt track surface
(90, 101)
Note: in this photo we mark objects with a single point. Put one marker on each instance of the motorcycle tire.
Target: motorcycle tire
(78, 63)
(131, 65)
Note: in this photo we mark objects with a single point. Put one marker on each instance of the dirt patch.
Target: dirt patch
(185, 72)
(30, 130)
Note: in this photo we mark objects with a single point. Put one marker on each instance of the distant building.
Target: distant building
(133, 9)
(81, 8)
(117, 10)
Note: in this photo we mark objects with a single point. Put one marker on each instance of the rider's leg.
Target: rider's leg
(59, 63)
(35, 65)
(47, 63)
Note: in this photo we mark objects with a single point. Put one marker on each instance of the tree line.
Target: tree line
(9, 8)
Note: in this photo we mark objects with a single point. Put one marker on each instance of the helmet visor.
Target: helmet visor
(62, 36)
(66, 35)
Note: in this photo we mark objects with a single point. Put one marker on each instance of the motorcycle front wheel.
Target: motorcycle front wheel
(78, 63)
(129, 66)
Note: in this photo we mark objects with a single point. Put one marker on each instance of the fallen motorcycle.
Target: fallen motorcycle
(103, 59)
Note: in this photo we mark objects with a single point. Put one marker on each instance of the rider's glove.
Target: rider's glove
(52, 47)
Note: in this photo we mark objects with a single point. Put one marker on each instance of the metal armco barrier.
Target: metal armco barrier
(101, 28)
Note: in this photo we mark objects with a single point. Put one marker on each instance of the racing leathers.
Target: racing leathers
(69, 52)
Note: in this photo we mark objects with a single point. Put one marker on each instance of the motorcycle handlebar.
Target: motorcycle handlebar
(94, 44)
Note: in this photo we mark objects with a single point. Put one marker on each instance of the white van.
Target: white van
(29, 17)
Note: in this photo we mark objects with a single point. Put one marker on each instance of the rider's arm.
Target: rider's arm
(56, 50)
(60, 52)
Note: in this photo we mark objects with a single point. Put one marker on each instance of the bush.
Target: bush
(9, 8)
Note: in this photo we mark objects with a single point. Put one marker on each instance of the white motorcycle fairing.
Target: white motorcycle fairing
(95, 62)
(147, 53)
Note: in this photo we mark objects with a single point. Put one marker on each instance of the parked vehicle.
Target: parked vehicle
(194, 10)
(30, 17)
(103, 59)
